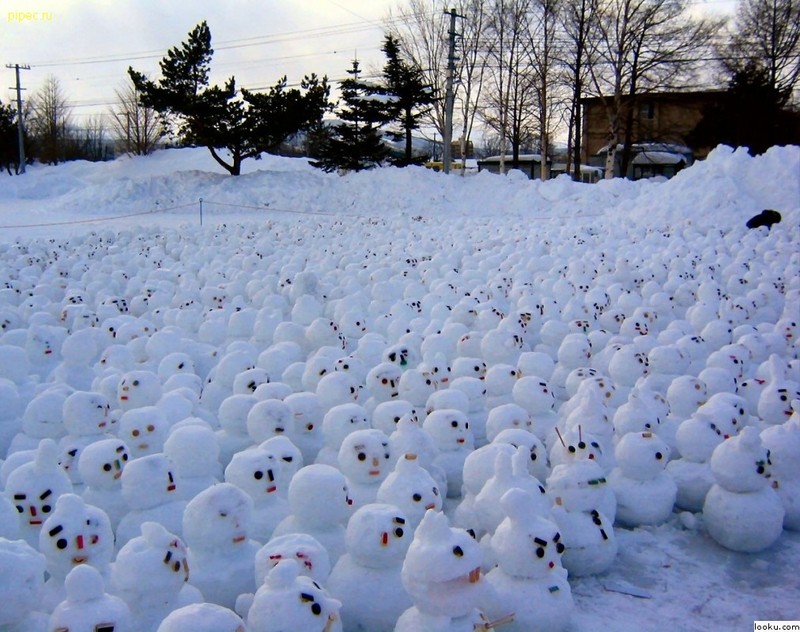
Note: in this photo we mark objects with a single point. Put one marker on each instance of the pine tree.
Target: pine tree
(410, 97)
(356, 143)
(9, 152)
(216, 117)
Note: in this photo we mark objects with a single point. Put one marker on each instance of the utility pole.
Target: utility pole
(20, 128)
(447, 135)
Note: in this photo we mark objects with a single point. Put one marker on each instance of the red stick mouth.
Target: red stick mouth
(272, 489)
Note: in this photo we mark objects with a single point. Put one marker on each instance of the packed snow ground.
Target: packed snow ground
(294, 218)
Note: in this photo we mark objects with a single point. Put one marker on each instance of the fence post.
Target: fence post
(201, 211)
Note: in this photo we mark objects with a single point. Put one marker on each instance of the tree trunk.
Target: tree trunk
(234, 169)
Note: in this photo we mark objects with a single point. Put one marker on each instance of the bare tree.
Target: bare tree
(471, 67)
(511, 93)
(642, 45)
(92, 141)
(766, 38)
(542, 36)
(577, 19)
(50, 121)
(138, 127)
(421, 28)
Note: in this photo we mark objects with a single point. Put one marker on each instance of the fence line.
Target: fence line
(97, 219)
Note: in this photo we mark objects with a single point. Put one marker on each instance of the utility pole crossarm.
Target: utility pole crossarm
(20, 124)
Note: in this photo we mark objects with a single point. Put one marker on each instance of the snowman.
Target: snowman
(320, 505)
(202, 617)
(144, 430)
(366, 579)
(783, 442)
(42, 419)
(266, 418)
(536, 396)
(86, 419)
(507, 416)
(22, 570)
(149, 487)
(221, 556)
(742, 511)
(257, 473)
(100, 466)
(450, 430)
(538, 464)
(288, 600)
(137, 389)
(645, 491)
(9, 520)
(307, 415)
(696, 439)
(311, 556)
(192, 447)
(475, 390)
(34, 487)
(365, 460)
(74, 534)
(529, 582)
(383, 383)
(479, 467)
(337, 423)
(410, 437)
(775, 401)
(442, 575)
(410, 488)
(584, 509)
(151, 575)
(509, 472)
(87, 607)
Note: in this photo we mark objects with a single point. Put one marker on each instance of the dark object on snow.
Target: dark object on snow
(767, 218)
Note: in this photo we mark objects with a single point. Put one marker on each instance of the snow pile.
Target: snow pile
(441, 310)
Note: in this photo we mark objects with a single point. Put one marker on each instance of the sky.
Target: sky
(89, 44)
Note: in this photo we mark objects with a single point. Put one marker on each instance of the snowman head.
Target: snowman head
(22, 571)
(86, 413)
(137, 389)
(149, 481)
(365, 456)
(101, 463)
(76, 533)
(310, 555)
(270, 418)
(526, 544)
(289, 600)
(144, 430)
(256, 472)
(442, 568)
(534, 394)
(35, 486)
(217, 518)
(319, 495)
(153, 562)
(343, 419)
(202, 617)
(742, 463)
(411, 489)
(378, 536)
(507, 416)
(642, 455)
(449, 428)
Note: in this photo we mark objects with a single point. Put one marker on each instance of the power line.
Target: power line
(20, 123)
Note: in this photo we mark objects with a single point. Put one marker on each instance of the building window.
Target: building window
(647, 111)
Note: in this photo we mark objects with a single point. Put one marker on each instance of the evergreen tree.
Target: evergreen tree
(217, 117)
(356, 143)
(410, 97)
(9, 151)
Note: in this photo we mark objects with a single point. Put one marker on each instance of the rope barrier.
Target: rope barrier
(97, 219)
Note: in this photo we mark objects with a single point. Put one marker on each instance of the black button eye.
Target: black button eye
(258, 475)
(316, 608)
(454, 424)
(417, 497)
(362, 456)
(107, 467)
(458, 552)
(46, 508)
(560, 547)
(61, 543)
(398, 532)
(659, 456)
(539, 552)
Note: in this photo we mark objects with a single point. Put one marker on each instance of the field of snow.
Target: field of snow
(484, 246)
